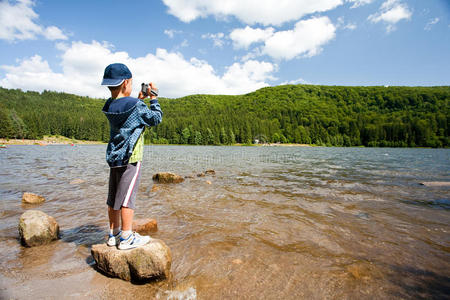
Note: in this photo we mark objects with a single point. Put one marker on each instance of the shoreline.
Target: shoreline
(48, 140)
(285, 145)
(61, 140)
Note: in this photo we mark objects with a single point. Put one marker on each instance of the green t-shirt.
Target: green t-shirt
(138, 151)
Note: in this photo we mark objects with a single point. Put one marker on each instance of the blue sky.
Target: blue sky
(223, 47)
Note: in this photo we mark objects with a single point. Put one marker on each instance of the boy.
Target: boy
(127, 118)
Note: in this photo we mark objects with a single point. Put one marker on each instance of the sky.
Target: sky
(223, 47)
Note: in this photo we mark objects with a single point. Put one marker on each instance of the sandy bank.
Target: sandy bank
(47, 140)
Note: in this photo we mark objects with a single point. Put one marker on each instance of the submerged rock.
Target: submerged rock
(207, 172)
(144, 226)
(37, 228)
(436, 183)
(76, 181)
(363, 215)
(167, 177)
(30, 198)
(151, 261)
(210, 172)
(364, 270)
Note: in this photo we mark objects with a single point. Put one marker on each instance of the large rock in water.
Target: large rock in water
(30, 198)
(144, 226)
(37, 228)
(151, 261)
(167, 177)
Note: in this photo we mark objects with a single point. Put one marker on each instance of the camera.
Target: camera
(144, 88)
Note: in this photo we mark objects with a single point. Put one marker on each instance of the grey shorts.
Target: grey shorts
(123, 185)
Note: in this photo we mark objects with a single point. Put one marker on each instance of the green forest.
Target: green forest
(305, 114)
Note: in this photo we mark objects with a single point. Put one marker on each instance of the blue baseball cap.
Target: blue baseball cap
(115, 74)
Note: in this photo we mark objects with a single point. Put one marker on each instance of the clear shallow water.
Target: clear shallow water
(274, 222)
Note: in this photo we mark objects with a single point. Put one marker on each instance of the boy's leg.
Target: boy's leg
(114, 226)
(113, 214)
(128, 188)
(131, 178)
(129, 239)
(114, 219)
(127, 218)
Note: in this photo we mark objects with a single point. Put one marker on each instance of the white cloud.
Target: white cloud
(54, 33)
(17, 22)
(217, 38)
(306, 39)
(83, 65)
(391, 12)
(358, 3)
(341, 24)
(249, 72)
(431, 23)
(296, 81)
(265, 12)
(184, 43)
(350, 26)
(244, 37)
(171, 32)
(251, 55)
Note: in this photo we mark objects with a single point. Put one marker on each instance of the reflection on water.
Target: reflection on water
(274, 222)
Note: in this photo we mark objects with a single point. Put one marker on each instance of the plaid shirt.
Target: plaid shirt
(126, 127)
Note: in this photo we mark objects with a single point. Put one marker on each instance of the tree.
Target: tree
(232, 138)
(6, 126)
(185, 135)
(209, 136)
(223, 136)
(18, 126)
(198, 140)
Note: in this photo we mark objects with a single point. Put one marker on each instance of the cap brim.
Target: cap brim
(112, 82)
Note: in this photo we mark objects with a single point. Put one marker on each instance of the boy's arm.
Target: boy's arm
(152, 116)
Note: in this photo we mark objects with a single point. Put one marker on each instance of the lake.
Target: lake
(272, 223)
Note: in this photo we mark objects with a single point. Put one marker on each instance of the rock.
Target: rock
(167, 177)
(151, 261)
(189, 176)
(207, 172)
(76, 181)
(144, 226)
(30, 198)
(37, 228)
(436, 183)
(208, 182)
(237, 261)
(210, 172)
(363, 215)
(154, 188)
(364, 270)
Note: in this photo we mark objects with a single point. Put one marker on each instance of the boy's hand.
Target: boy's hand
(151, 85)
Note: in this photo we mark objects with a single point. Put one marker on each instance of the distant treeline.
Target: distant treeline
(305, 114)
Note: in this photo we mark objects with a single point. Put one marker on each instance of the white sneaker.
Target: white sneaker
(134, 240)
(113, 240)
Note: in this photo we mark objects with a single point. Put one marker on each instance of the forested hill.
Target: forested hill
(307, 114)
